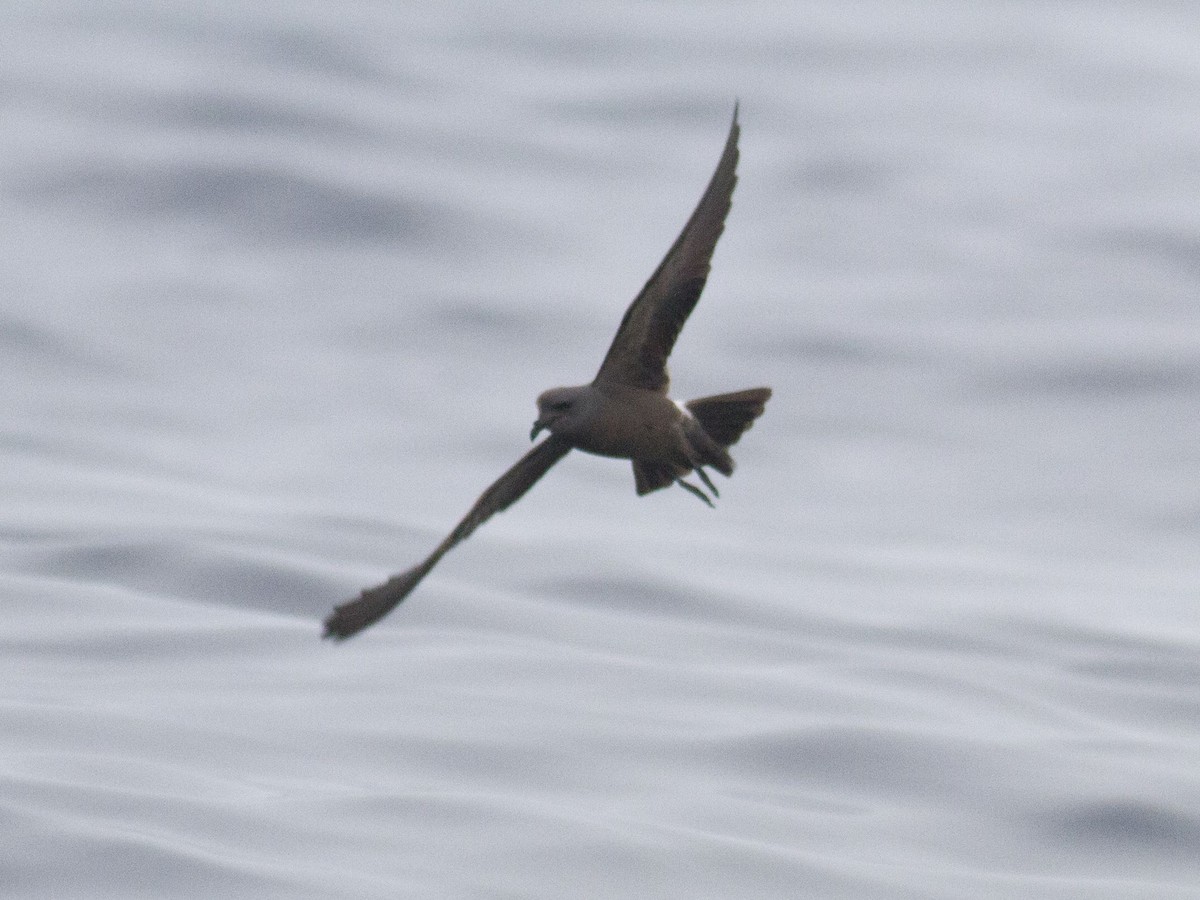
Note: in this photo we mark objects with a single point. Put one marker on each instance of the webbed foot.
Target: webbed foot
(692, 489)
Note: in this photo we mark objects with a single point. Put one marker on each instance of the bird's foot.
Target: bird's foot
(708, 482)
(692, 489)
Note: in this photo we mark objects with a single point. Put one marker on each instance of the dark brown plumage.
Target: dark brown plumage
(625, 411)
(647, 333)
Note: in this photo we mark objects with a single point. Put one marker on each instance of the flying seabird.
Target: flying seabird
(625, 411)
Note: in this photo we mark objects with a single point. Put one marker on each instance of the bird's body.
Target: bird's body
(617, 420)
(625, 411)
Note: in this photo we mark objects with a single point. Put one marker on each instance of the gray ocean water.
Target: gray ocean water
(279, 284)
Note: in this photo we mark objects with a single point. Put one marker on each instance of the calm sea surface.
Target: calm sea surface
(279, 284)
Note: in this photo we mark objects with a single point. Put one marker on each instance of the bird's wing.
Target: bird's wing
(638, 355)
(374, 603)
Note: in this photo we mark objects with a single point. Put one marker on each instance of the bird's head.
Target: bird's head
(561, 410)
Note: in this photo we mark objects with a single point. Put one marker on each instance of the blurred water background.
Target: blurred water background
(279, 284)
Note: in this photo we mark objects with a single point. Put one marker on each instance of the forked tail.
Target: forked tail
(726, 417)
(716, 424)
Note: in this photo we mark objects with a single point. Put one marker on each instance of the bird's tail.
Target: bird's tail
(726, 417)
(715, 424)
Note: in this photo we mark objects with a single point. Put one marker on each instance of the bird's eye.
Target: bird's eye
(561, 406)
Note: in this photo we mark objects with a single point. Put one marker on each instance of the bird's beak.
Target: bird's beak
(538, 427)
